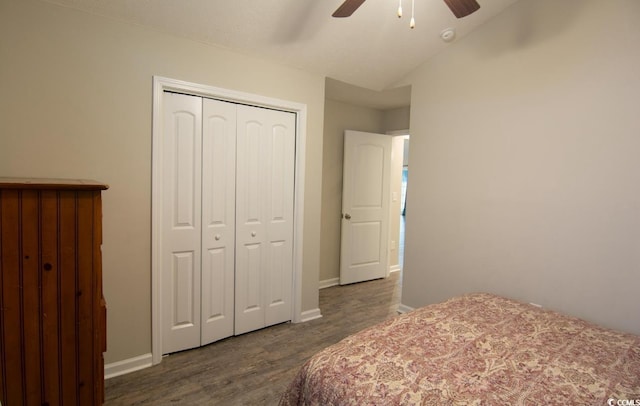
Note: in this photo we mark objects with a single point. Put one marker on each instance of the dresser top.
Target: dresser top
(49, 183)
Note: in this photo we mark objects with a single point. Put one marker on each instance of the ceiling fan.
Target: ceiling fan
(460, 8)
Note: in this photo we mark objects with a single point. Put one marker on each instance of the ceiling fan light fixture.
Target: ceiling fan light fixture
(412, 24)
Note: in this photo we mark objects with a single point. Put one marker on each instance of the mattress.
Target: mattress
(478, 349)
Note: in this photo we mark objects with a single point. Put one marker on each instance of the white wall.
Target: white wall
(525, 169)
(75, 102)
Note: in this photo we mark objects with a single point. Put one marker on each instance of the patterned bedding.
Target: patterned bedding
(477, 349)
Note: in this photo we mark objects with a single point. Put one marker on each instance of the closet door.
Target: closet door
(264, 217)
(181, 212)
(218, 219)
(227, 204)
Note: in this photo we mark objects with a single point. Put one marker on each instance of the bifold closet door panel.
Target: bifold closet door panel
(218, 219)
(227, 228)
(264, 217)
(181, 230)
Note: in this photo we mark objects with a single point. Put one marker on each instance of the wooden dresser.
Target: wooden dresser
(52, 311)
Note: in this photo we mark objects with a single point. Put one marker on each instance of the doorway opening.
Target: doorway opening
(403, 212)
(399, 177)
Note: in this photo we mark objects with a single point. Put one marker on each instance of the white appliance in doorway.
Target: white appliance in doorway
(227, 219)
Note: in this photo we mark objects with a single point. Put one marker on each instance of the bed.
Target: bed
(478, 349)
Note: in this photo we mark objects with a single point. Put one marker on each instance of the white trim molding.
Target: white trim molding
(403, 308)
(162, 84)
(395, 268)
(327, 283)
(312, 314)
(127, 366)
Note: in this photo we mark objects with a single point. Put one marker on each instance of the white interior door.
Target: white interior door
(227, 237)
(175, 282)
(264, 217)
(181, 203)
(218, 219)
(365, 207)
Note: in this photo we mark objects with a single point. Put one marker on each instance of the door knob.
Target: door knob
(217, 237)
(253, 233)
(347, 216)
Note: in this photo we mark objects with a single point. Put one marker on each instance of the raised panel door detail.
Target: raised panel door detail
(218, 219)
(274, 166)
(213, 304)
(182, 210)
(278, 281)
(228, 184)
(252, 161)
(280, 263)
(369, 163)
(183, 272)
(365, 206)
(279, 192)
(249, 312)
(218, 169)
(365, 243)
(185, 136)
(250, 288)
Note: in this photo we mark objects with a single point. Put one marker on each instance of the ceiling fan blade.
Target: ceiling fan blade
(462, 8)
(347, 8)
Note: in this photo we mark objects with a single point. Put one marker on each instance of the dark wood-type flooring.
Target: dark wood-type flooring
(255, 368)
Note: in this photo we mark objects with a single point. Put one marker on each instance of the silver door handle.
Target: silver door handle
(347, 216)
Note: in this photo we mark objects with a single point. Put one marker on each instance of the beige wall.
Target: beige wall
(340, 116)
(525, 169)
(396, 119)
(76, 103)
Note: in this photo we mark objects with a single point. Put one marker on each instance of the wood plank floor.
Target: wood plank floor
(255, 368)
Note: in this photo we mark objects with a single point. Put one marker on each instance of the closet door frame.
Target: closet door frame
(162, 84)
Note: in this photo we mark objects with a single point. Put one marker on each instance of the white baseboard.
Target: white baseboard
(402, 308)
(127, 366)
(395, 268)
(327, 283)
(310, 315)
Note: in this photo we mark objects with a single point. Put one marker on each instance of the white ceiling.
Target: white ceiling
(373, 49)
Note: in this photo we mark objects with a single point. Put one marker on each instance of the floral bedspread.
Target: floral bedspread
(478, 349)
